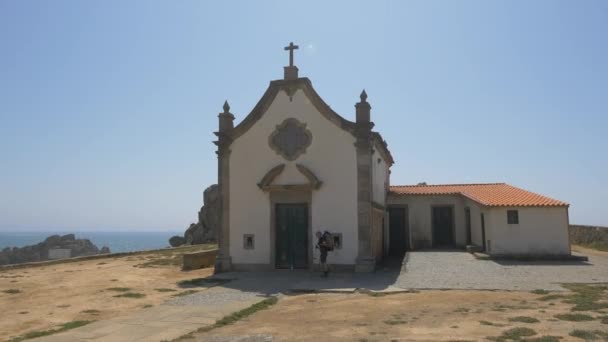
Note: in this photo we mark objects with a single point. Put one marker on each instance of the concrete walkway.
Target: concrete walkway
(164, 322)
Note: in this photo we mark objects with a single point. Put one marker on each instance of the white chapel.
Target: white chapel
(293, 166)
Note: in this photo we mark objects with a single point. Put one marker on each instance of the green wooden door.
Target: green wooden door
(443, 226)
(291, 236)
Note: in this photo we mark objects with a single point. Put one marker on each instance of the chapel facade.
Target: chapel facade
(293, 167)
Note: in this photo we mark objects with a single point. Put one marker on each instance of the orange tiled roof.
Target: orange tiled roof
(492, 194)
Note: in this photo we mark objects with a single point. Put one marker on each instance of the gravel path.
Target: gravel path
(460, 270)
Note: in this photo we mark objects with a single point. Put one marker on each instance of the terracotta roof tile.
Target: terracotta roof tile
(492, 194)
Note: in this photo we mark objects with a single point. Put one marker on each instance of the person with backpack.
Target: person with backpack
(325, 244)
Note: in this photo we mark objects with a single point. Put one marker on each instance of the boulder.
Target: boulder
(176, 241)
(68, 237)
(104, 250)
(52, 240)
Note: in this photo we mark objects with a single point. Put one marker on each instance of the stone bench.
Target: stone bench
(474, 249)
(196, 260)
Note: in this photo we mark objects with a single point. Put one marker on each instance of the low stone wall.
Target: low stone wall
(89, 257)
(587, 235)
(196, 260)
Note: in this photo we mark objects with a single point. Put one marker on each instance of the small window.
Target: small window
(512, 217)
(337, 240)
(248, 241)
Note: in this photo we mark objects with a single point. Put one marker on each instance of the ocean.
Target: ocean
(117, 241)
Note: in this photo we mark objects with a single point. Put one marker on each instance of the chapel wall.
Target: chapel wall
(331, 157)
(380, 178)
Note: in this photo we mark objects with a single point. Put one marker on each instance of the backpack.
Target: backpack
(329, 240)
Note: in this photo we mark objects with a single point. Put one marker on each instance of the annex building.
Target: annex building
(293, 166)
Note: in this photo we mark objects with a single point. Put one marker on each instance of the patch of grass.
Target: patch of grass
(266, 303)
(519, 332)
(586, 297)
(23, 312)
(523, 319)
(40, 333)
(148, 306)
(12, 291)
(486, 323)
(185, 293)
(503, 307)
(202, 282)
(394, 322)
(172, 261)
(540, 292)
(603, 319)
(130, 295)
(546, 338)
(119, 289)
(170, 256)
(91, 312)
(574, 317)
(550, 297)
(234, 317)
(462, 310)
(589, 335)
(516, 334)
(165, 290)
(597, 245)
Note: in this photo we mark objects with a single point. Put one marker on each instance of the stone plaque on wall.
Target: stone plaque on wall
(290, 139)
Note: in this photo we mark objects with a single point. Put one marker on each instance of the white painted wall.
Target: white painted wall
(379, 178)
(331, 156)
(541, 231)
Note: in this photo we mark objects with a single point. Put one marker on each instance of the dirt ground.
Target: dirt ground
(60, 293)
(422, 316)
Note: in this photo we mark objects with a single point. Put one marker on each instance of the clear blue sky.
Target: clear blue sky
(107, 108)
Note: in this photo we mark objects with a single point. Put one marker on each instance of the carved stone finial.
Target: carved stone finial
(363, 109)
(226, 118)
(363, 96)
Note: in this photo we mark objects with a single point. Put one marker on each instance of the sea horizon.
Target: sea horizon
(116, 240)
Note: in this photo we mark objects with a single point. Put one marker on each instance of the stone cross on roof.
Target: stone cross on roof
(290, 48)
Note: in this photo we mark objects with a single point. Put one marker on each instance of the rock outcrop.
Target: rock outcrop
(176, 241)
(53, 247)
(205, 230)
